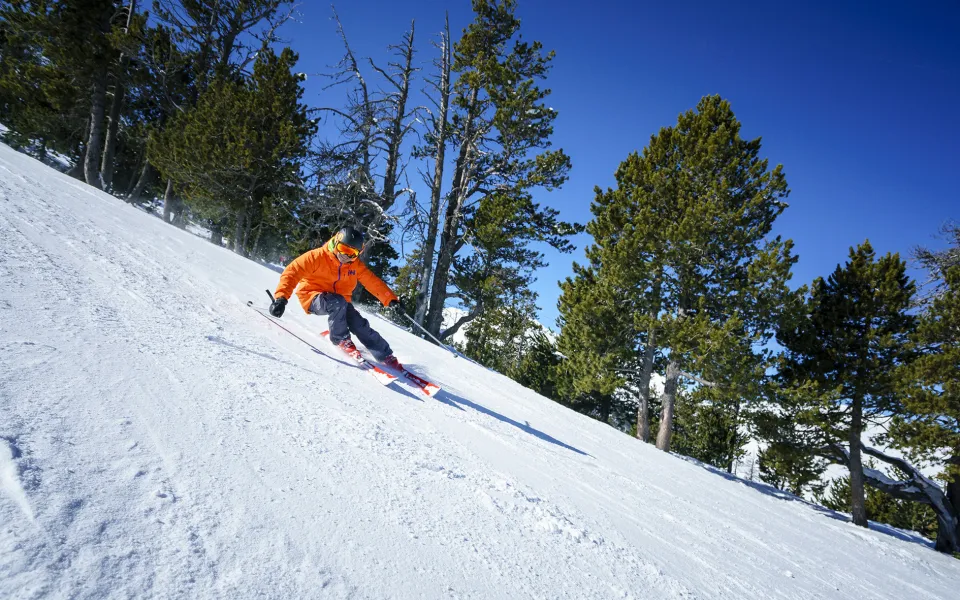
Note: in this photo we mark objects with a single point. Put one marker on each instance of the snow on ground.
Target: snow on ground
(160, 439)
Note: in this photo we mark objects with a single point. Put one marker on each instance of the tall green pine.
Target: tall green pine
(683, 266)
(849, 341)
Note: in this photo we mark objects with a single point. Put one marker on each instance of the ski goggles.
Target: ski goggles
(346, 250)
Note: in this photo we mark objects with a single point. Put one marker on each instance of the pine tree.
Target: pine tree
(789, 468)
(709, 428)
(848, 341)
(681, 247)
(537, 367)
(53, 74)
(596, 339)
(240, 150)
(927, 420)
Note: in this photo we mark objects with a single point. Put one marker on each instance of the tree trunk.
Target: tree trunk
(238, 232)
(255, 247)
(858, 501)
(473, 314)
(438, 290)
(392, 168)
(113, 126)
(734, 436)
(179, 213)
(168, 202)
(433, 219)
(649, 353)
(145, 175)
(643, 412)
(91, 163)
(216, 233)
(669, 403)
(247, 230)
(945, 541)
(76, 171)
(119, 89)
(916, 488)
(451, 225)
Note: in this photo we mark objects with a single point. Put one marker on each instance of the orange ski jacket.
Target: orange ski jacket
(319, 270)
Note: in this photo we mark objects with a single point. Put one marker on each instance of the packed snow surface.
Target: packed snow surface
(160, 439)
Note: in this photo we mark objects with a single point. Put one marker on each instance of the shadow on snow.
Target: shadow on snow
(459, 402)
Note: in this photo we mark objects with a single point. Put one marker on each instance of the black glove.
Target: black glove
(397, 306)
(277, 306)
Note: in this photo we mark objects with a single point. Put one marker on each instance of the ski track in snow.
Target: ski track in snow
(159, 440)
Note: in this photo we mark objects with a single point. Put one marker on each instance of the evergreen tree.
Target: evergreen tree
(499, 338)
(848, 342)
(537, 367)
(407, 281)
(709, 428)
(789, 468)
(238, 153)
(927, 420)
(496, 274)
(221, 37)
(56, 58)
(596, 339)
(160, 84)
(681, 247)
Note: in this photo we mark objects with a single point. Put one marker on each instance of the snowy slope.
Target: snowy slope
(159, 439)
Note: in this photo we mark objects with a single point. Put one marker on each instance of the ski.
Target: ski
(379, 374)
(427, 387)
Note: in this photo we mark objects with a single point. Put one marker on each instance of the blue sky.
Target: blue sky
(858, 101)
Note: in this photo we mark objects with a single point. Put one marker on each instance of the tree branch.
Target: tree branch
(699, 380)
(473, 314)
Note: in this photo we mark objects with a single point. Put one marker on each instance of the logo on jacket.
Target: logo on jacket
(351, 273)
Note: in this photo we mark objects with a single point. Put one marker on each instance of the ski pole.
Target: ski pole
(442, 345)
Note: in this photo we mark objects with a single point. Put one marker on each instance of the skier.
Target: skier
(327, 276)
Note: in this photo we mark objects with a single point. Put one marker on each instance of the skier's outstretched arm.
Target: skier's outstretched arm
(375, 285)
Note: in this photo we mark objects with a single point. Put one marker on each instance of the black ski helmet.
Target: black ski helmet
(350, 236)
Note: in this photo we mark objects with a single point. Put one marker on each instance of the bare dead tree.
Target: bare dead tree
(354, 155)
(372, 125)
(397, 122)
(439, 131)
(214, 30)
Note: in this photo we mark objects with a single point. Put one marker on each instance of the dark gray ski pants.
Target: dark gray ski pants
(344, 319)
